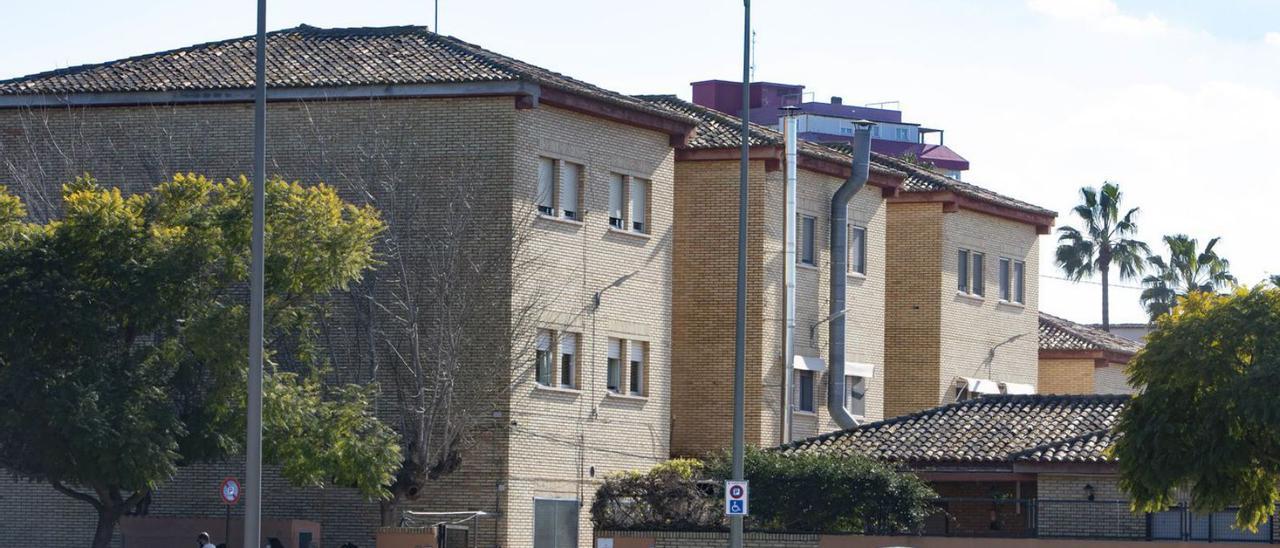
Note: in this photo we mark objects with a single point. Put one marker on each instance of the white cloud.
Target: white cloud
(1272, 39)
(1101, 15)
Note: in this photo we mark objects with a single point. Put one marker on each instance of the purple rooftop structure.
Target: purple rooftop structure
(831, 122)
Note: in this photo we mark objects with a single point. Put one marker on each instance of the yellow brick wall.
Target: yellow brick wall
(706, 226)
(564, 442)
(913, 307)
(1066, 376)
(1006, 347)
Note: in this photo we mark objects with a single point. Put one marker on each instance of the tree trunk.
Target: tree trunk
(1106, 298)
(107, 518)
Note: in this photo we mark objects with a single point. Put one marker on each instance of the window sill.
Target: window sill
(857, 276)
(971, 296)
(625, 397)
(806, 266)
(557, 389)
(563, 220)
(804, 413)
(631, 233)
(1011, 304)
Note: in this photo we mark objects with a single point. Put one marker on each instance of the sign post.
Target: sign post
(230, 493)
(736, 494)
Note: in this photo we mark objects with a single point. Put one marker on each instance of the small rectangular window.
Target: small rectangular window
(804, 390)
(555, 523)
(637, 368)
(568, 360)
(962, 271)
(542, 357)
(857, 249)
(639, 204)
(806, 227)
(1006, 291)
(1019, 282)
(856, 387)
(617, 188)
(546, 186)
(977, 275)
(614, 374)
(903, 134)
(570, 187)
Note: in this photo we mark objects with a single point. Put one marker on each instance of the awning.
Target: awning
(809, 363)
(978, 386)
(854, 369)
(1016, 388)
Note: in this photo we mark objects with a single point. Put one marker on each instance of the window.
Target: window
(546, 186)
(555, 523)
(846, 131)
(875, 132)
(1019, 282)
(903, 134)
(564, 197)
(614, 381)
(570, 179)
(856, 388)
(976, 275)
(1006, 290)
(804, 390)
(568, 360)
(617, 186)
(637, 368)
(962, 271)
(639, 204)
(542, 357)
(857, 249)
(805, 225)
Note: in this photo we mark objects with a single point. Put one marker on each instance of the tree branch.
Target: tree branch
(97, 505)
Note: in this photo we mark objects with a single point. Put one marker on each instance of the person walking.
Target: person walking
(202, 540)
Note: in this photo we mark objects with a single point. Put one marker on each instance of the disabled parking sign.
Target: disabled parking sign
(735, 498)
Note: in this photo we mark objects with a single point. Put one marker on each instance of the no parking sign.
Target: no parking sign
(735, 498)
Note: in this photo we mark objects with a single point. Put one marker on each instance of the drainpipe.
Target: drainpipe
(839, 271)
(789, 271)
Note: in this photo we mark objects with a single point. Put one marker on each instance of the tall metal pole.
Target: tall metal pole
(740, 329)
(436, 22)
(253, 434)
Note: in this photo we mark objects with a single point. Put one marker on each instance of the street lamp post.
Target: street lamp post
(740, 320)
(253, 433)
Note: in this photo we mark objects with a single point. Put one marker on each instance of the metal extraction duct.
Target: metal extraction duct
(836, 387)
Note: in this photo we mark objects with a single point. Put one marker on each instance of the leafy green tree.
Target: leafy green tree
(1187, 270)
(122, 345)
(1105, 240)
(1208, 419)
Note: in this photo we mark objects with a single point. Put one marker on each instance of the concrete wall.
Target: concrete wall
(756, 540)
(1112, 379)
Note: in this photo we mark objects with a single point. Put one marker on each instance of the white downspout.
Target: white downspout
(789, 272)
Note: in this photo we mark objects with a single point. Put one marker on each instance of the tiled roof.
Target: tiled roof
(986, 430)
(1059, 334)
(1088, 448)
(307, 57)
(719, 130)
(922, 179)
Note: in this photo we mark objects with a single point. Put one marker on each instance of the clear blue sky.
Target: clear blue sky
(1177, 100)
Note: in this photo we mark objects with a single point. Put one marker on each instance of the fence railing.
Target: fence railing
(1083, 519)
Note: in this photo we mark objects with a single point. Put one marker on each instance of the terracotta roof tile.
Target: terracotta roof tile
(306, 56)
(1087, 448)
(990, 429)
(1059, 334)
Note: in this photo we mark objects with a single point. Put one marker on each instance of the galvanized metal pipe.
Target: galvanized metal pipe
(861, 166)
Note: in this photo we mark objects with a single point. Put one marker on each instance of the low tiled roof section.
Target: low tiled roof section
(990, 429)
(922, 179)
(1088, 448)
(1061, 334)
(307, 56)
(719, 130)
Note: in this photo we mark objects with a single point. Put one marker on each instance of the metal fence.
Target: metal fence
(1083, 519)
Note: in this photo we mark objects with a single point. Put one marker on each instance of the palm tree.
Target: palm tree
(1187, 270)
(1106, 240)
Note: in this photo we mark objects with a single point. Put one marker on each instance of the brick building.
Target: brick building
(1079, 359)
(585, 175)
